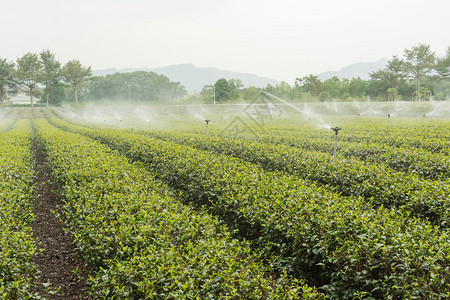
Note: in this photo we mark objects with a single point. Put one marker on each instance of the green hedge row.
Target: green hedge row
(18, 274)
(434, 166)
(424, 134)
(422, 198)
(432, 138)
(341, 244)
(140, 242)
(402, 157)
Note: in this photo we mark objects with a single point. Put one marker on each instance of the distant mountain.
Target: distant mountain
(194, 78)
(360, 70)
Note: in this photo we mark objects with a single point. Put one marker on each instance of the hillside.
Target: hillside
(360, 70)
(194, 78)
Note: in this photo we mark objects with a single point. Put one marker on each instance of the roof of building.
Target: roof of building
(22, 99)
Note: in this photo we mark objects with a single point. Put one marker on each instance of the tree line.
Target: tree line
(418, 75)
(137, 86)
(40, 72)
(42, 76)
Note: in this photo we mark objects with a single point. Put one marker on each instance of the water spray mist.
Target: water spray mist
(336, 130)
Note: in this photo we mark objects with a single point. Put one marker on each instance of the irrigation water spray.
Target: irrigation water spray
(206, 128)
(305, 112)
(336, 130)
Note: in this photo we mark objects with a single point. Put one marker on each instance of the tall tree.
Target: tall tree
(223, 90)
(75, 74)
(419, 62)
(357, 88)
(443, 66)
(28, 72)
(311, 84)
(6, 77)
(393, 75)
(235, 87)
(51, 72)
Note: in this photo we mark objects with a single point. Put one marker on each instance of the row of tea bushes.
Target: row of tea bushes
(434, 166)
(398, 132)
(142, 243)
(18, 274)
(341, 244)
(422, 163)
(417, 160)
(433, 139)
(422, 198)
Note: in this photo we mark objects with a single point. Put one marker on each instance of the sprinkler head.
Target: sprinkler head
(389, 115)
(336, 129)
(207, 121)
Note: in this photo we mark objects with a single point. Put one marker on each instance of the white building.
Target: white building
(21, 98)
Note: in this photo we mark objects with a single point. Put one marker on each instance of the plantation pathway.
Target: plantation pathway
(59, 259)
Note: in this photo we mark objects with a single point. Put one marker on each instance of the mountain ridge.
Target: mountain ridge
(194, 78)
(361, 70)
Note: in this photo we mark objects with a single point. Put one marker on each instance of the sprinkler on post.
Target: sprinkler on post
(206, 128)
(389, 117)
(336, 130)
(120, 123)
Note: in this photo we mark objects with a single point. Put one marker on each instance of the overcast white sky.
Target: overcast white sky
(280, 39)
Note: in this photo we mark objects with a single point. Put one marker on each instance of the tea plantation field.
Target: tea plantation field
(243, 206)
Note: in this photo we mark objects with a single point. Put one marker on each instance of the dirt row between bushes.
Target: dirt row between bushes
(62, 274)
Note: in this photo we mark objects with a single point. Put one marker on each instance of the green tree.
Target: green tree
(311, 84)
(357, 88)
(28, 72)
(377, 88)
(75, 74)
(7, 80)
(235, 87)
(223, 90)
(134, 86)
(443, 66)
(282, 90)
(57, 94)
(51, 72)
(419, 62)
(393, 75)
(331, 88)
(209, 92)
(251, 93)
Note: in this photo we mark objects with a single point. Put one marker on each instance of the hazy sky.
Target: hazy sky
(280, 39)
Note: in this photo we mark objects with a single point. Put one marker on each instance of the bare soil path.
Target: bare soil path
(58, 263)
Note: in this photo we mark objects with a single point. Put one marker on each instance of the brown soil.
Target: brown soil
(58, 263)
